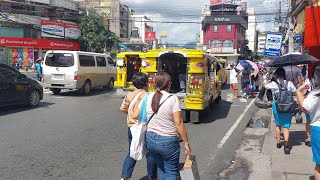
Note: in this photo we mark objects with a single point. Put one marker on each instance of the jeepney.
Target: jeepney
(195, 69)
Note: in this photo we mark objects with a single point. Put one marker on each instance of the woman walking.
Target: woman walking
(234, 81)
(130, 106)
(311, 105)
(165, 124)
(282, 120)
(245, 81)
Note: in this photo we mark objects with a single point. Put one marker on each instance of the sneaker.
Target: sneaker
(244, 95)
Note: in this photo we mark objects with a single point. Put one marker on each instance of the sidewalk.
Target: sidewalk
(297, 165)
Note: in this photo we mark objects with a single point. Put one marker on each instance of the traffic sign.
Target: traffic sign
(273, 44)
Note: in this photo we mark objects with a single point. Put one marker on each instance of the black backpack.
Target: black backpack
(284, 100)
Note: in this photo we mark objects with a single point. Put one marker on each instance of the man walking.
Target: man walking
(38, 69)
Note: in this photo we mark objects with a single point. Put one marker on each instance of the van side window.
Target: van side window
(101, 61)
(110, 61)
(87, 61)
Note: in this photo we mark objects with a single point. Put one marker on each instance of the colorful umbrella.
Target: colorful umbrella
(249, 64)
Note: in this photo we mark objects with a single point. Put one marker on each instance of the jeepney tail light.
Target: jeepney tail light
(150, 80)
(195, 81)
(76, 76)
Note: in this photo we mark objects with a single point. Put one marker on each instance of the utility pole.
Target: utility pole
(290, 31)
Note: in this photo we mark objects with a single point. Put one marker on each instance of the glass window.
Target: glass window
(87, 61)
(215, 43)
(227, 43)
(110, 61)
(229, 27)
(101, 61)
(215, 28)
(59, 60)
(7, 74)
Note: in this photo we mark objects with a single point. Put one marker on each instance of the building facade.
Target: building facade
(261, 42)
(224, 31)
(251, 34)
(30, 28)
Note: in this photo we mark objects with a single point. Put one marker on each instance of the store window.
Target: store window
(229, 28)
(215, 28)
(101, 61)
(87, 61)
(215, 43)
(227, 43)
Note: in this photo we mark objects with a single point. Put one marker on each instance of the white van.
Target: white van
(76, 70)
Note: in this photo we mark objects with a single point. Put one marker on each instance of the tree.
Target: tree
(95, 37)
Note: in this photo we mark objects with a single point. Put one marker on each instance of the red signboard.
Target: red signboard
(312, 27)
(214, 2)
(39, 43)
(150, 36)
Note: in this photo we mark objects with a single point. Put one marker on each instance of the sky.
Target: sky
(189, 10)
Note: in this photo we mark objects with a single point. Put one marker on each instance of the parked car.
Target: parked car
(17, 88)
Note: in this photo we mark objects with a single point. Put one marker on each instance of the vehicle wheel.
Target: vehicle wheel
(110, 84)
(56, 91)
(86, 88)
(186, 116)
(34, 98)
(195, 117)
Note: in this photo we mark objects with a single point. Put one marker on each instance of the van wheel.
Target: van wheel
(56, 91)
(86, 88)
(110, 84)
(34, 98)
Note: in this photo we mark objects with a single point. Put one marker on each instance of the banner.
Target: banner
(149, 36)
(72, 31)
(25, 61)
(30, 57)
(20, 55)
(14, 55)
(9, 50)
(51, 28)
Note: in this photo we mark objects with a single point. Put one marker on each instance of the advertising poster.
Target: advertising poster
(25, 61)
(30, 57)
(273, 44)
(72, 31)
(14, 55)
(9, 50)
(20, 55)
(50, 28)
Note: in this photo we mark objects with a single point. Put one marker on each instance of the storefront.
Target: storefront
(26, 50)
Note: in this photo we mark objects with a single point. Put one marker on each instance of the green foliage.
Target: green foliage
(94, 34)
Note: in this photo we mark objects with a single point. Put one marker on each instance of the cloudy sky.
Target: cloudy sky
(189, 10)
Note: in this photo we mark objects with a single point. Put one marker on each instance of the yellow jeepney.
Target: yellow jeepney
(128, 63)
(193, 74)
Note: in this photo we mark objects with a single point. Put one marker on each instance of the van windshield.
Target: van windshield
(59, 60)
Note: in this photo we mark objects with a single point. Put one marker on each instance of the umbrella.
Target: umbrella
(249, 64)
(292, 59)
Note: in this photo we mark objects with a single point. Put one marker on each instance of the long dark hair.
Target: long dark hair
(279, 76)
(162, 81)
(316, 78)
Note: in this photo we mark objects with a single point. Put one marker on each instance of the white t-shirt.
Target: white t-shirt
(162, 123)
(274, 86)
(233, 76)
(312, 105)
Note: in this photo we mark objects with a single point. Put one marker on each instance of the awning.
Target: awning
(312, 29)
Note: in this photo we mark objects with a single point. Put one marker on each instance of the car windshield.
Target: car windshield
(59, 60)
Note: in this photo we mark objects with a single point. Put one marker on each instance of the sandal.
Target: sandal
(308, 143)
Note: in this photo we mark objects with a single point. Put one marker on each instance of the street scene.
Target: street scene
(160, 90)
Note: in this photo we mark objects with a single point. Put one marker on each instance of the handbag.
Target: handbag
(190, 169)
(138, 147)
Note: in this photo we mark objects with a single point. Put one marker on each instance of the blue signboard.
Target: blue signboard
(273, 44)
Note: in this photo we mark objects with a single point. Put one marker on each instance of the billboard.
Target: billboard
(149, 36)
(56, 29)
(72, 31)
(214, 2)
(273, 44)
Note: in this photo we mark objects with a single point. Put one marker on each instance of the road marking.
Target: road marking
(243, 100)
(226, 137)
(58, 97)
(230, 97)
(47, 92)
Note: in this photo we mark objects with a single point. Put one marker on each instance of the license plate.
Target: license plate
(58, 76)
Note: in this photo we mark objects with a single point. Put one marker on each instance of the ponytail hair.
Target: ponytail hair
(162, 81)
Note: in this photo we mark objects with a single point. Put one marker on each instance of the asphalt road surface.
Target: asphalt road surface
(77, 137)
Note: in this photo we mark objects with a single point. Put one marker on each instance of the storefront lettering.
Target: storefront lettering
(221, 19)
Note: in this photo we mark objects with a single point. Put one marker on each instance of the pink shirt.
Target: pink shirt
(162, 123)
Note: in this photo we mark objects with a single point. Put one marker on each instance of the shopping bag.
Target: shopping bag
(251, 87)
(190, 169)
(138, 143)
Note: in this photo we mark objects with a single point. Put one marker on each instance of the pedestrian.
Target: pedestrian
(234, 81)
(293, 74)
(252, 83)
(266, 77)
(165, 125)
(311, 105)
(308, 118)
(282, 120)
(140, 81)
(256, 82)
(304, 72)
(39, 69)
(245, 81)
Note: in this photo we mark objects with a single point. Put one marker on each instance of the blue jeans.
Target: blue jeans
(129, 163)
(166, 152)
(244, 84)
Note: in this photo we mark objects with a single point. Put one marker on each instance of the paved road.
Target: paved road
(76, 137)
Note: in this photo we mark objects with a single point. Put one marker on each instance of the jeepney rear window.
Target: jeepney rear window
(59, 60)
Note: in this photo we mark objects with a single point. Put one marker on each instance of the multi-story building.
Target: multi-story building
(141, 23)
(224, 30)
(252, 30)
(30, 28)
(261, 42)
(116, 15)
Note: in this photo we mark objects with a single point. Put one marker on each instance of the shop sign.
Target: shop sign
(227, 50)
(39, 43)
(221, 19)
(50, 28)
(273, 44)
(72, 31)
(216, 50)
(150, 36)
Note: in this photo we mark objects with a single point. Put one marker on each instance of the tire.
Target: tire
(110, 84)
(56, 91)
(34, 98)
(86, 88)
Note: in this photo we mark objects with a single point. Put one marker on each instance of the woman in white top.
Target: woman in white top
(165, 123)
(234, 81)
(311, 105)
